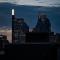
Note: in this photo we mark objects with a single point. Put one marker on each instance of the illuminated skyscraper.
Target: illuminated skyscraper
(19, 28)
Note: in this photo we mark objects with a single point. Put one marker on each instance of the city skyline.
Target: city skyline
(29, 13)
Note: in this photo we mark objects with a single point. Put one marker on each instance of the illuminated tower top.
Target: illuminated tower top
(13, 13)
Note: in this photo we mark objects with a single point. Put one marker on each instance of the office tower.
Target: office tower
(19, 28)
(42, 29)
(57, 38)
(13, 20)
(43, 24)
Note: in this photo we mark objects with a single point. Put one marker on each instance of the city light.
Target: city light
(12, 11)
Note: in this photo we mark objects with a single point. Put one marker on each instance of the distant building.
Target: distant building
(19, 28)
(3, 41)
(43, 24)
(57, 37)
(51, 37)
(44, 28)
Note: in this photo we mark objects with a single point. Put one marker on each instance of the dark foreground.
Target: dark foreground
(44, 51)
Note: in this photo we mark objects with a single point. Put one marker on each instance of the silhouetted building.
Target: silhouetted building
(3, 41)
(43, 29)
(43, 24)
(19, 28)
(57, 38)
(35, 37)
(51, 37)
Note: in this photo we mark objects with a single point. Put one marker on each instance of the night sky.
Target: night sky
(30, 11)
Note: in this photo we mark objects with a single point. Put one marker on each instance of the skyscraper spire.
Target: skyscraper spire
(13, 13)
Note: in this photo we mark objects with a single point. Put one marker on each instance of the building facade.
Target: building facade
(43, 24)
(19, 28)
(57, 38)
